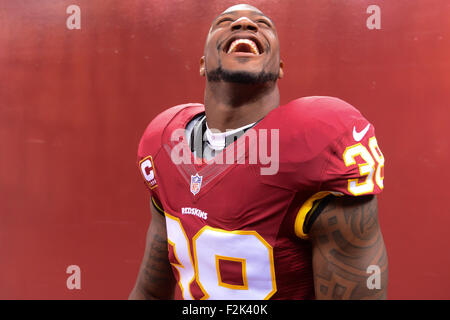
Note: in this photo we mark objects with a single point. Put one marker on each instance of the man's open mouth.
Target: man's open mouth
(243, 44)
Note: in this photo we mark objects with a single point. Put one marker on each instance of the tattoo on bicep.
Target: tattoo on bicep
(346, 242)
(157, 271)
(157, 264)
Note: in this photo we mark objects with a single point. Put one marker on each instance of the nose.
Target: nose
(244, 23)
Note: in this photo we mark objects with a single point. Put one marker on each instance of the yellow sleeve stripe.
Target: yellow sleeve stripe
(307, 207)
(157, 207)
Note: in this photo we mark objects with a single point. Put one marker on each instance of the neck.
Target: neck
(233, 105)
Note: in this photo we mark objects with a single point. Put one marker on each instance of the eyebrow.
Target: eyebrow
(231, 12)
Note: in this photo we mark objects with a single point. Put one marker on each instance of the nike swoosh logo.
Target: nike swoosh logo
(358, 136)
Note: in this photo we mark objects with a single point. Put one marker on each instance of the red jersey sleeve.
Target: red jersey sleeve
(149, 149)
(350, 161)
(355, 163)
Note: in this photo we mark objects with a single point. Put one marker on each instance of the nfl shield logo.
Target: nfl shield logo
(196, 184)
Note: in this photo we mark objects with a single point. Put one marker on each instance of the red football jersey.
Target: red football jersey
(235, 223)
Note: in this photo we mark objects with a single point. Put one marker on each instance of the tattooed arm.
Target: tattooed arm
(347, 239)
(155, 279)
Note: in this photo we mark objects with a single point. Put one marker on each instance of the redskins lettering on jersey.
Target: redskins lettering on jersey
(241, 234)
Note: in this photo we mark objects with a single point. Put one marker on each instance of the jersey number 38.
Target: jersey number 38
(211, 248)
(369, 168)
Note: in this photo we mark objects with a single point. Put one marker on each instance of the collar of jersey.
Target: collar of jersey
(217, 140)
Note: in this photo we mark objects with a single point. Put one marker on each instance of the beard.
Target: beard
(243, 77)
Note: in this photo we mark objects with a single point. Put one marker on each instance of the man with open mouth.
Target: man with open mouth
(225, 230)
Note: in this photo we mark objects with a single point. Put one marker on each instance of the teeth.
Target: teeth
(237, 42)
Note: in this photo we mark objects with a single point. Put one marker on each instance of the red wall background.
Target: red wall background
(73, 104)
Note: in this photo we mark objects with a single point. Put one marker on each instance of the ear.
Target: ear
(202, 66)
(281, 73)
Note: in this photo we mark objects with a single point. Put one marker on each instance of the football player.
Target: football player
(229, 221)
